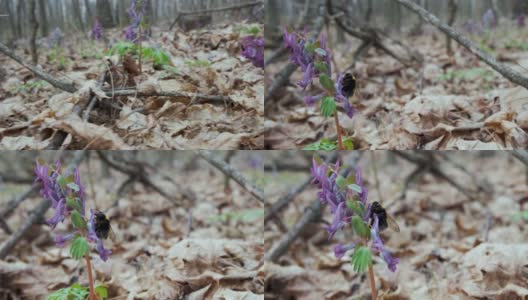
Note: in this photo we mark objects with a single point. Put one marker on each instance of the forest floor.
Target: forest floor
(449, 246)
(202, 62)
(450, 102)
(203, 242)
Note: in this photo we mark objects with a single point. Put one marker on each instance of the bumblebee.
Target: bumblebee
(384, 220)
(348, 85)
(102, 227)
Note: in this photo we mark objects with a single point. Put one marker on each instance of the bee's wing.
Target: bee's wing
(392, 224)
(112, 235)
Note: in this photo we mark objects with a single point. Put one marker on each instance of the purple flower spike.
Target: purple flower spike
(340, 250)
(60, 240)
(97, 31)
(253, 49)
(311, 100)
(520, 20)
(489, 19)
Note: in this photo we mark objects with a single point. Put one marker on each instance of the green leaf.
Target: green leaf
(348, 144)
(328, 106)
(356, 206)
(61, 181)
(77, 220)
(75, 292)
(361, 259)
(323, 144)
(74, 203)
(309, 47)
(73, 186)
(341, 181)
(321, 67)
(102, 291)
(359, 227)
(327, 83)
(79, 247)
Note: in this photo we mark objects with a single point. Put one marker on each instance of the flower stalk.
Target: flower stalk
(373, 293)
(93, 296)
(339, 137)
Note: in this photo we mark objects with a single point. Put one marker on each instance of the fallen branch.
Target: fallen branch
(65, 86)
(428, 164)
(212, 10)
(506, 71)
(280, 204)
(137, 172)
(36, 215)
(215, 99)
(229, 171)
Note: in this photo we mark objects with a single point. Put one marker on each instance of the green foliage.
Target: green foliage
(79, 247)
(359, 227)
(74, 292)
(91, 50)
(356, 206)
(361, 259)
(468, 74)
(252, 30)
(246, 215)
(198, 63)
(57, 56)
(326, 144)
(74, 203)
(516, 44)
(77, 220)
(321, 67)
(32, 86)
(328, 106)
(327, 83)
(159, 56)
(523, 215)
(122, 48)
(101, 291)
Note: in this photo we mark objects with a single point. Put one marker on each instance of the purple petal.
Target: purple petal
(60, 240)
(340, 250)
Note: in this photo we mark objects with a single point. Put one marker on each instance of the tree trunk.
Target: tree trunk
(452, 8)
(104, 13)
(89, 14)
(77, 15)
(43, 18)
(34, 25)
(21, 8)
(12, 22)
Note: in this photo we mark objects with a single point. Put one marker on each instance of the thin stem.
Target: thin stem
(372, 283)
(140, 46)
(339, 138)
(90, 278)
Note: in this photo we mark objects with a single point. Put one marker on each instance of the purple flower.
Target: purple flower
(60, 240)
(55, 38)
(92, 237)
(325, 176)
(520, 19)
(310, 100)
(489, 19)
(67, 193)
(378, 246)
(131, 32)
(340, 249)
(97, 30)
(253, 49)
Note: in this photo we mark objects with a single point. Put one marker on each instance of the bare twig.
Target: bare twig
(280, 204)
(506, 71)
(229, 171)
(313, 212)
(65, 86)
